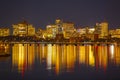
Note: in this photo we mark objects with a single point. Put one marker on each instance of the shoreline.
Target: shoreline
(66, 43)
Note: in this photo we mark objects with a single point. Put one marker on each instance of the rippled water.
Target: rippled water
(63, 62)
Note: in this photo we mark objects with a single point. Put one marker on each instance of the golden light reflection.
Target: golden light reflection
(22, 56)
(57, 65)
(91, 57)
(82, 54)
(117, 55)
(103, 56)
(70, 57)
(54, 55)
(112, 50)
(63, 57)
(59, 57)
(49, 56)
(41, 51)
(4, 49)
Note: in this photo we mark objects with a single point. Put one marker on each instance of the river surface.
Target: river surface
(59, 62)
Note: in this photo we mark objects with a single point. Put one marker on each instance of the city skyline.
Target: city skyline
(53, 22)
(41, 13)
(59, 39)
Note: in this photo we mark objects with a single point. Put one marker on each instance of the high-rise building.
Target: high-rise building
(68, 29)
(4, 32)
(52, 30)
(23, 29)
(102, 29)
(60, 29)
(59, 26)
(65, 28)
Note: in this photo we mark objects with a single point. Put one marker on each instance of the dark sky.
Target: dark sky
(42, 12)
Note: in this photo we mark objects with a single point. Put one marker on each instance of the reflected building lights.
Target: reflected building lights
(70, 58)
(49, 56)
(102, 55)
(22, 57)
(112, 50)
(91, 57)
(54, 55)
(18, 57)
(117, 55)
(57, 69)
(82, 54)
(4, 49)
(60, 58)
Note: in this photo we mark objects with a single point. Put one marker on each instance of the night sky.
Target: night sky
(43, 12)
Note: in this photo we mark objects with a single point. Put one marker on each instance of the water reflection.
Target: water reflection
(4, 50)
(23, 56)
(63, 58)
(117, 56)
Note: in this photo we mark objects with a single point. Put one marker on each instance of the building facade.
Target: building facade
(52, 30)
(68, 29)
(114, 33)
(86, 32)
(60, 28)
(102, 29)
(23, 29)
(4, 31)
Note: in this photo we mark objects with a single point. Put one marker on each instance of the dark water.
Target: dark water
(59, 62)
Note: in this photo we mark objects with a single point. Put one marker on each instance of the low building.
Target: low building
(114, 33)
(4, 31)
(86, 32)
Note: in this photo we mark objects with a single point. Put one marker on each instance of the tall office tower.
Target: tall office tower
(60, 29)
(51, 30)
(59, 22)
(104, 29)
(68, 29)
(101, 29)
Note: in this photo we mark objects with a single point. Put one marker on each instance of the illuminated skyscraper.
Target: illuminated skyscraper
(52, 30)
(68, 29)
(65, 28)
(102, 29)
(23, 29)
(59, 25)
(60, 29)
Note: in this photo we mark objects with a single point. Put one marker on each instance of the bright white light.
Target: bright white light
(49, 57)
(22, 28)
(92, 29)
(49, 26)
(112, 49)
